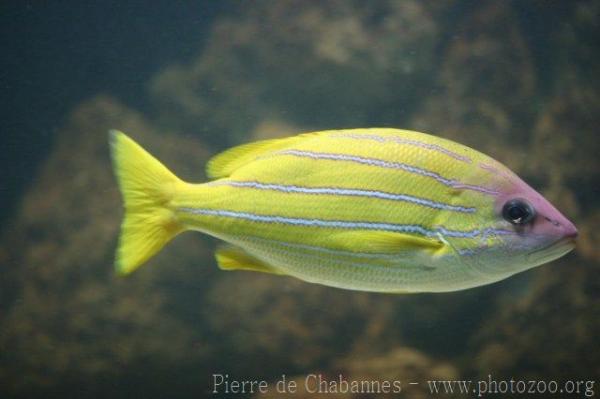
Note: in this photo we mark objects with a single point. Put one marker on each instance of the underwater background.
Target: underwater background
(517, 80)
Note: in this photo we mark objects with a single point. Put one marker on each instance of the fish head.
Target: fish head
(528, 230)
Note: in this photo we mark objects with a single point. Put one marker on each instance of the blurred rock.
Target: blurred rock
(576, 46)
(367, 373)
(565, 137)
(564, 144)
(312, 64)
(400, 364)
(69, 318)
(271, 69)
(485, 85)
(281, 323)
(588, 244)
(271, 315)
(273, 128)
(552, 331)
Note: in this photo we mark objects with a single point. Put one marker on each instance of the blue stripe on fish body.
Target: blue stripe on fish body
(343, 224)
(344, 192)
(388, 165)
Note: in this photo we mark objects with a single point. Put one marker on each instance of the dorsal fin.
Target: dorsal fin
(225, 163)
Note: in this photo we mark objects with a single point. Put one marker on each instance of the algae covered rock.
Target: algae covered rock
(464, 70)
(271, 314)
(400, 372)
(552, 331)
(312, 64)
(485, 84)
(566, 132)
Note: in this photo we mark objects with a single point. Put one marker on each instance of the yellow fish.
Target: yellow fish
(380, 210)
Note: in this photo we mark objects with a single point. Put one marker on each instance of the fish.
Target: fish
(367, 209)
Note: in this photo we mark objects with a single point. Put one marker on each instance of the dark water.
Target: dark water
(516, 80)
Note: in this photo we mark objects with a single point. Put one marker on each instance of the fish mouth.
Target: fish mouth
(552, 251)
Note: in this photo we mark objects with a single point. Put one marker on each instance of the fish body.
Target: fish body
(381, 210)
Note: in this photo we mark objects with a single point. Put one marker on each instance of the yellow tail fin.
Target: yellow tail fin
(147, 187)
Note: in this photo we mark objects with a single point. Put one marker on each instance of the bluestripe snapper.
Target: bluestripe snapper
(381, 210)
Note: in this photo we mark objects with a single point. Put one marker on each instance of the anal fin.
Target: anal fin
(230, 257)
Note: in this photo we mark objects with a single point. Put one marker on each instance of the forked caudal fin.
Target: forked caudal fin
(147, 187)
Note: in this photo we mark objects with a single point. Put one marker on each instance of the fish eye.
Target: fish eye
(518, 212)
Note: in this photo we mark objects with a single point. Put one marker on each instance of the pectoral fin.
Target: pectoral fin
(230, 257)
(387, 242)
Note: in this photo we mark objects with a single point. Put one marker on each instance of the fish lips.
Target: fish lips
(552, 251)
